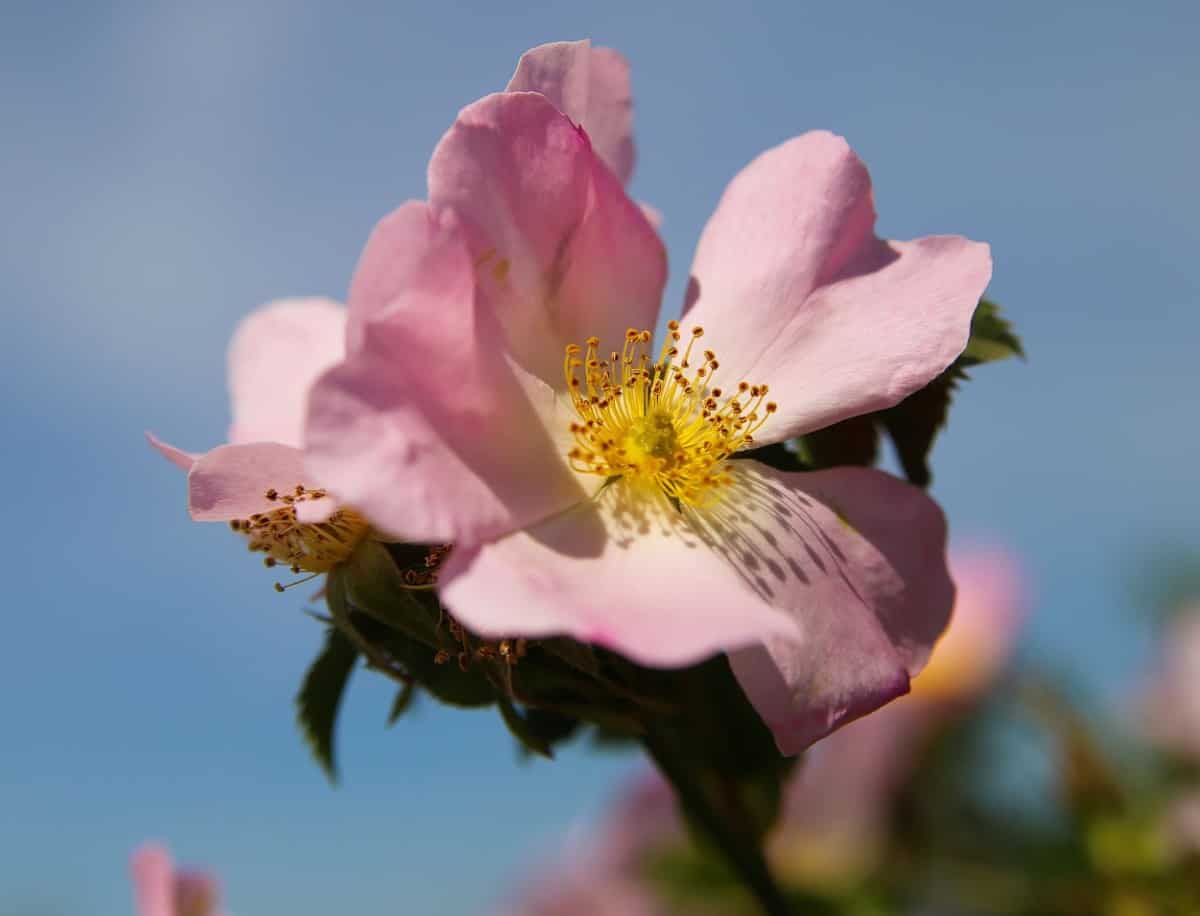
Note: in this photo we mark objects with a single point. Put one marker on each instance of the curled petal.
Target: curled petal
(177, 456)
(858, 557)
(559, 251)
(232, 481)
(797, 292)
(276, 354)
(153, 881)
(591, 87)
(426, 428)
(625, 571)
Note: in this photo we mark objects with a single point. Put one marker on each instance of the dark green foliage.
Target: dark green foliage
(321, 695)
(403, 702)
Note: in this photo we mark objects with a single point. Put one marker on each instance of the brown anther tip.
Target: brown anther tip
(272, 494)
(572, 349)
(673, 325)
(279, 587)
(716, 392)
(697, 331)
(593, 341)
(295, 569)
(235, 524)
(269, 562)
(772, 407)
(299, 489)
(743, 386)
(646, 336)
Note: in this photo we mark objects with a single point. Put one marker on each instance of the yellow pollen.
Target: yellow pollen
(314, 547)
(658, 423)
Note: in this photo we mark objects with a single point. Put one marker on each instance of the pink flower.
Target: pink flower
(836, 809)
(500, 392)
(258, 482)
(160, 890)
(837, 806)
(1169, 707)
(601, 872)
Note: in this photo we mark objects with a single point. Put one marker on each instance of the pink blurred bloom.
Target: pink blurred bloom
(160, 890)
(258, 482)
(599, 872)
(1169, 706)
(835, 813)
(597, 496)
(837, 805)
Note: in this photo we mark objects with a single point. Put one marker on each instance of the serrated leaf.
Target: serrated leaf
(992, 337)
(404, 699)
(914, 423)
(320, 697)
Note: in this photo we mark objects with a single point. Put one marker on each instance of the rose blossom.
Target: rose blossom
(834, 822)
(257, 483)
(500, 392)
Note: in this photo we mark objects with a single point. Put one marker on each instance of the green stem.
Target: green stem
(743, 854)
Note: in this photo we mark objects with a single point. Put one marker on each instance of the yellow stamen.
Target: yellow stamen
(651, 423)
(314, 547)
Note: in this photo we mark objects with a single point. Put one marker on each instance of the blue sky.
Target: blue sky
(169, 166)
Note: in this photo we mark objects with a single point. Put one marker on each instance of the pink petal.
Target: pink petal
(177, 456)
(153, 881)
(795, 290)
(231, 482)
(1168, 704)
(629, 574)
(591, 87)
(276, 354)
(426, 429)
(858, 557)
(989, 607)
(560, 252)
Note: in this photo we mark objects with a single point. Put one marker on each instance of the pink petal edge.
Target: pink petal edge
(795, 290)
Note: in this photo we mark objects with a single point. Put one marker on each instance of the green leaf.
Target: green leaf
(321, 695)
(445, 681)
(853, 441)
(992, 337)
(404, 699)
(914, 423)
(374, 585)
(523, 729)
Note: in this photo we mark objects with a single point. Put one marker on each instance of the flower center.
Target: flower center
(653, 423)
(313, 547)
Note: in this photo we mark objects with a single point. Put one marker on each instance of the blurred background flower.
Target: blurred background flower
(169, 166)
(838, 810)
